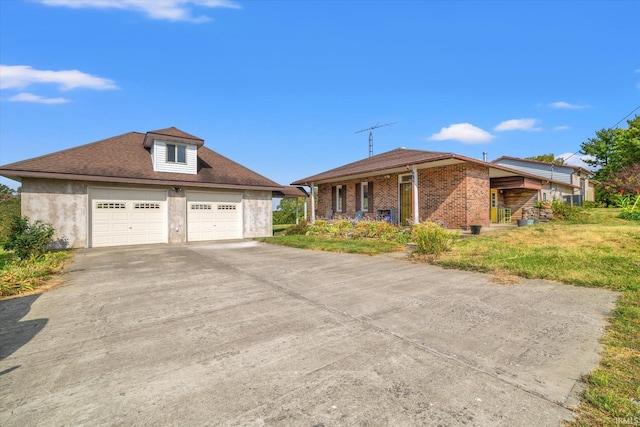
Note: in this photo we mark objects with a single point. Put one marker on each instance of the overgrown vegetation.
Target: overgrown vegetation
(27, 239)
(602, 251)
(366, 236)
(432, 239)
(9, 209)
(18, 276)
(429, 238)
(25, 263)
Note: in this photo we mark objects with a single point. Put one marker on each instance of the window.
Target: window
(176, 153)
(146, 206)
(364, 196)
(111, 205)
(339, 197)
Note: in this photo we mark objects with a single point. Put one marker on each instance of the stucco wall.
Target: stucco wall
(177, 212)
(257, 214)
(64, 204)
(61, 203)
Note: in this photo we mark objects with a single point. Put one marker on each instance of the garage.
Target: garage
(214, 216)
(127, 216)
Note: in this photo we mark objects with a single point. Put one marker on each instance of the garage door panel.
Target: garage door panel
(214, 216)
(127, 217)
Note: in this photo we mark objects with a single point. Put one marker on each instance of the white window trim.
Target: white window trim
(364, 208)
(339, 206)
(176, 153)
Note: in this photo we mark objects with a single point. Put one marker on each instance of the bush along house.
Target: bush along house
(409, 186)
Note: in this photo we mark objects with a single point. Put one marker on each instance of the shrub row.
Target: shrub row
(429, 238)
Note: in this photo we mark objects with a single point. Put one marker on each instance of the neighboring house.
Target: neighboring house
(406, 186)
(571, 184)
(160, 187)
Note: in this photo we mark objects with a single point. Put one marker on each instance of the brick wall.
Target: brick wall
(455, 195)
(385, 195)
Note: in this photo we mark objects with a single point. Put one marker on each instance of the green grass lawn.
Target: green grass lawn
(599, 251)
(335, 244)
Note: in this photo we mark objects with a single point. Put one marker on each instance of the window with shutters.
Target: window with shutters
(339, 196)
(364, 196)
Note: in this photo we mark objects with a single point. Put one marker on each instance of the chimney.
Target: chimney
(484, 156)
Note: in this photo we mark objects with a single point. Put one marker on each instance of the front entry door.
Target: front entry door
(406, 205)
(494, 205)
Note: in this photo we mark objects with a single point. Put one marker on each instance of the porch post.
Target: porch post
(414, 193)
(305, 208)
(313, 204)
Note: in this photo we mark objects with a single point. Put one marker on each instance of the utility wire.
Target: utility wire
(619, 121)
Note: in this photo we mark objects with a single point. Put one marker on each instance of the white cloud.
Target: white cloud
(29, 97)
(21, 76)
(463, 132)
(567, 106)
(576, 160)
(563, 127)
(517, 124)
(169, 10)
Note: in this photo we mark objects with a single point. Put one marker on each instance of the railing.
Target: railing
(504, 215)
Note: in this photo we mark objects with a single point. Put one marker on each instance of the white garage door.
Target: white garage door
(214, 216)
(127, 217)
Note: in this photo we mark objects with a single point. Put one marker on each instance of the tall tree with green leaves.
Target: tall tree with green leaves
(286, 211)
(613, 152)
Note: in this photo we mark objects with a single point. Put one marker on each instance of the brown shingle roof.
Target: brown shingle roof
(389, 160)
(171, 134)
(399, 158)
(291, 191)
(123, 158)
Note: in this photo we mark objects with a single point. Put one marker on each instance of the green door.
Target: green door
(406, 199)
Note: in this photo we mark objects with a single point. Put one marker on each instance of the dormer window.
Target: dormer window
(168, 156)
(176, 153)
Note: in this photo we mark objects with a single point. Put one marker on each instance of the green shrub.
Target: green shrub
(432, 239)
(633, 215)
(9, 209)
(299, 228)
(27, 240)
(566, 212)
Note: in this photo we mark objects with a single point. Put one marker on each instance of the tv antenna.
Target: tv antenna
(370, 129)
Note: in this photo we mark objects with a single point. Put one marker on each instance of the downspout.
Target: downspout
(313, 203)
(414, 193)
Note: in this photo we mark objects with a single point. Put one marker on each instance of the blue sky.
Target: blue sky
(282, 86)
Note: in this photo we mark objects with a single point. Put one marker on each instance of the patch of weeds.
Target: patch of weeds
(18, 276)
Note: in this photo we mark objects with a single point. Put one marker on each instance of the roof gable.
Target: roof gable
(171, 134)
(123, 158)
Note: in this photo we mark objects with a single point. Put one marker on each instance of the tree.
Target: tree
(612, 151)
(549, 158)
(627, 181)
(286, 211)
(9, 210)
(6, 191)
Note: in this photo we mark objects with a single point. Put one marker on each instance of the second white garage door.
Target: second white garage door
(214, 216)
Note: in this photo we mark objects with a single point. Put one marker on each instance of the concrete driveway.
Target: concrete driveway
(244, 333)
